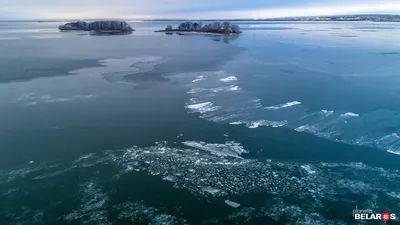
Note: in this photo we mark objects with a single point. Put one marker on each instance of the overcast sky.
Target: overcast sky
(190, 9)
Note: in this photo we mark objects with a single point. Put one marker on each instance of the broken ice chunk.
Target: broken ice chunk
(233, 204)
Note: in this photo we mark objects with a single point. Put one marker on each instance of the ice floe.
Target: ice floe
(285, 105)
(198, 78)
(396, 152)
(350, 114)
(232, 204)
(196, 90)
(327, 112)
(255, 124)
(232, 149)
(203, 107)
(228, 79)
(211, 190)
(227, 88)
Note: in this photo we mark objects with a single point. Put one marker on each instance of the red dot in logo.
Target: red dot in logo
(385, 216)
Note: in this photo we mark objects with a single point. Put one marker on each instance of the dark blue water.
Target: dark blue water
(296, 122)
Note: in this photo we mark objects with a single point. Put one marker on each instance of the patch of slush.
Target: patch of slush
(304, 128)
(169, 178)
(4, 38)
(196, 90)
(34, 99)
(256, 102)
(28, 30)
(51, 174)
(209, 176)
(48, 36)
(115, 70)
(205, 174)
(294, 214)
(284, 105)
(93, 208)
(138, 212)
(308, 169)
(327, 112)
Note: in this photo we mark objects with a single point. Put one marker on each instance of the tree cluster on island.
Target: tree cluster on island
(220, 27)
(102, 26)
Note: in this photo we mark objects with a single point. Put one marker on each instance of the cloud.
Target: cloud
(205, 9)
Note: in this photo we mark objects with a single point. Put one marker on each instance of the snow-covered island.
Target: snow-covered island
(218, 27)
(99, 27)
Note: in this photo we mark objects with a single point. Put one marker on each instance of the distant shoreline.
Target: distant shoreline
(332, 18)
(238, 20)
(344, 18)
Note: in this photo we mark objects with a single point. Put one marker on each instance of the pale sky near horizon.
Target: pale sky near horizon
(189, 9)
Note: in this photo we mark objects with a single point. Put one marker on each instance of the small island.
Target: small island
(99, 27)
(218, 27)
